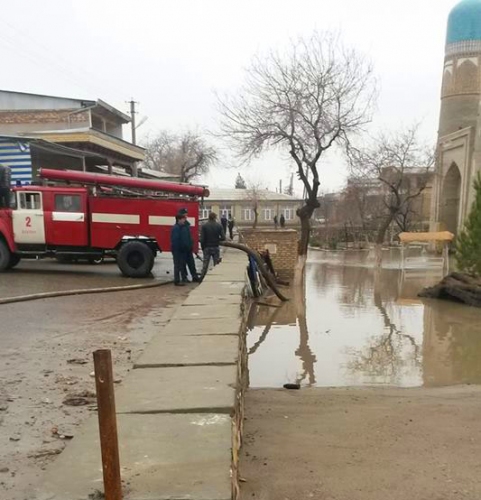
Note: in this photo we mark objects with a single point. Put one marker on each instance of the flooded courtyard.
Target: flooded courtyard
(356, 326)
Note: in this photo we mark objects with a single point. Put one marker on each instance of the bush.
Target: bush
(468, 244)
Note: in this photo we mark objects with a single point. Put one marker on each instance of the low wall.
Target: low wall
(282, 246)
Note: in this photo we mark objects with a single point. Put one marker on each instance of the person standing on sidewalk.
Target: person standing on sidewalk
(210, 237)
(276, 221)
(282, 220)
(230, 225)
(178, 243)
(188, 251)
(224, 222)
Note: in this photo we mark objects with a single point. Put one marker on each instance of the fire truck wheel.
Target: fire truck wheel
(135, 259)
(5, 256)
(14, 260)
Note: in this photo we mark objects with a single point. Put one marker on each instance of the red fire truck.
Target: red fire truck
(85, 215)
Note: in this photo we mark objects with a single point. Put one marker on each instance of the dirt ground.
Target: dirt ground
(46, 387)
(363, 444)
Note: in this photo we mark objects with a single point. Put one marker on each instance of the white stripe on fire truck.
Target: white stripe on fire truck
(116, 218)
(68, 216)
(165, 220)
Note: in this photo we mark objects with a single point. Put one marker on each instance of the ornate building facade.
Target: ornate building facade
(459, 142)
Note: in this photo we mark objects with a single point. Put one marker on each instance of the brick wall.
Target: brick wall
(282, 245)
(43, 116)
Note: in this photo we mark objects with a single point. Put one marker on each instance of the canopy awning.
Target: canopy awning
(424, 237)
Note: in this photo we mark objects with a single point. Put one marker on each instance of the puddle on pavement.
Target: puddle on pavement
(356, 326)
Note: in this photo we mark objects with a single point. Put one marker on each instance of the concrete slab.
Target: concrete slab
(162, 457)
(221, 326)
(171, 350)
(206, 388)
(206, 300)
(228, 271)
(233, 278)
(223, 287)
(230, 311)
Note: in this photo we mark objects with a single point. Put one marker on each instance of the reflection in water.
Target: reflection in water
(356, 326)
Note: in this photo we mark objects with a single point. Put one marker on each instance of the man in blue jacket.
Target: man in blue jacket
(188, 256)
(179, 242)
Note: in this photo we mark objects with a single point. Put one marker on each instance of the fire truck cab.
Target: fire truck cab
(127, 218)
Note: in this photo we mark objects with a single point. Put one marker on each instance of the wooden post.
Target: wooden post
(109, 442)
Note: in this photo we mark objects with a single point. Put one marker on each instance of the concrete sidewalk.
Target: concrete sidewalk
(177, 410)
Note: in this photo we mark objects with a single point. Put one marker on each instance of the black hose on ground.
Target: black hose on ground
(266, 275)
(82, 291)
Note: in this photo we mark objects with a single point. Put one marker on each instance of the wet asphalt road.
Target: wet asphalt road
(48, 275)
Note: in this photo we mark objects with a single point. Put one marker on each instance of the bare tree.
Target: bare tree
(186, 155)
(398, 168)
(303, 101)
(255, 194)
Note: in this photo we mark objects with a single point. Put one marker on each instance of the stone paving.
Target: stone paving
(176, 410)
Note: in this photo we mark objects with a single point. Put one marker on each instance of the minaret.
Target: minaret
(459, 144)
(461, 90)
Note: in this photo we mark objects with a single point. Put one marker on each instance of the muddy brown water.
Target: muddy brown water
(354, 326)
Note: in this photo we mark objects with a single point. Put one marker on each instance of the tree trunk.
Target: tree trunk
(256, 218)
(304, 213)
(381, 235)
(302, 249)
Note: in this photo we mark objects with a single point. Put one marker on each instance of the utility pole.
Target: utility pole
(132, 119)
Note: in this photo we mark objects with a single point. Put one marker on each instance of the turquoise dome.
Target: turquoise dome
(465, 22)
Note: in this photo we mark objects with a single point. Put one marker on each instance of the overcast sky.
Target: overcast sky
(170, 55)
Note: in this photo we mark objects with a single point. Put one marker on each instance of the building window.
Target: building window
(288, 213)
(30, 201)
(247, 214)
(268, 214)
(204, 212)
(226, 210)
(68, 203)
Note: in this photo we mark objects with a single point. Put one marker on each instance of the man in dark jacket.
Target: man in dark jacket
(223, 222)
(230, 224)
(179, 242)
(210, 236)
(188, 250)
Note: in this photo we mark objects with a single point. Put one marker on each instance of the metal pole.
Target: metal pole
(109, 442)
(132, 120)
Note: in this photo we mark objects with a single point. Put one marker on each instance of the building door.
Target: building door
(28, 219)
(450, 198)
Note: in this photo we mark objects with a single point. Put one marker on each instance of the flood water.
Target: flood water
(355, 326)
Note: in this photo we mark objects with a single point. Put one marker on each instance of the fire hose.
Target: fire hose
(82, 291)
(270, 280)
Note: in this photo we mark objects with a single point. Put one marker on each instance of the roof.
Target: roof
(464, 22)
(418, 237)
(156, 174)
(90, 135)
(16, 99)
(220, 194)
